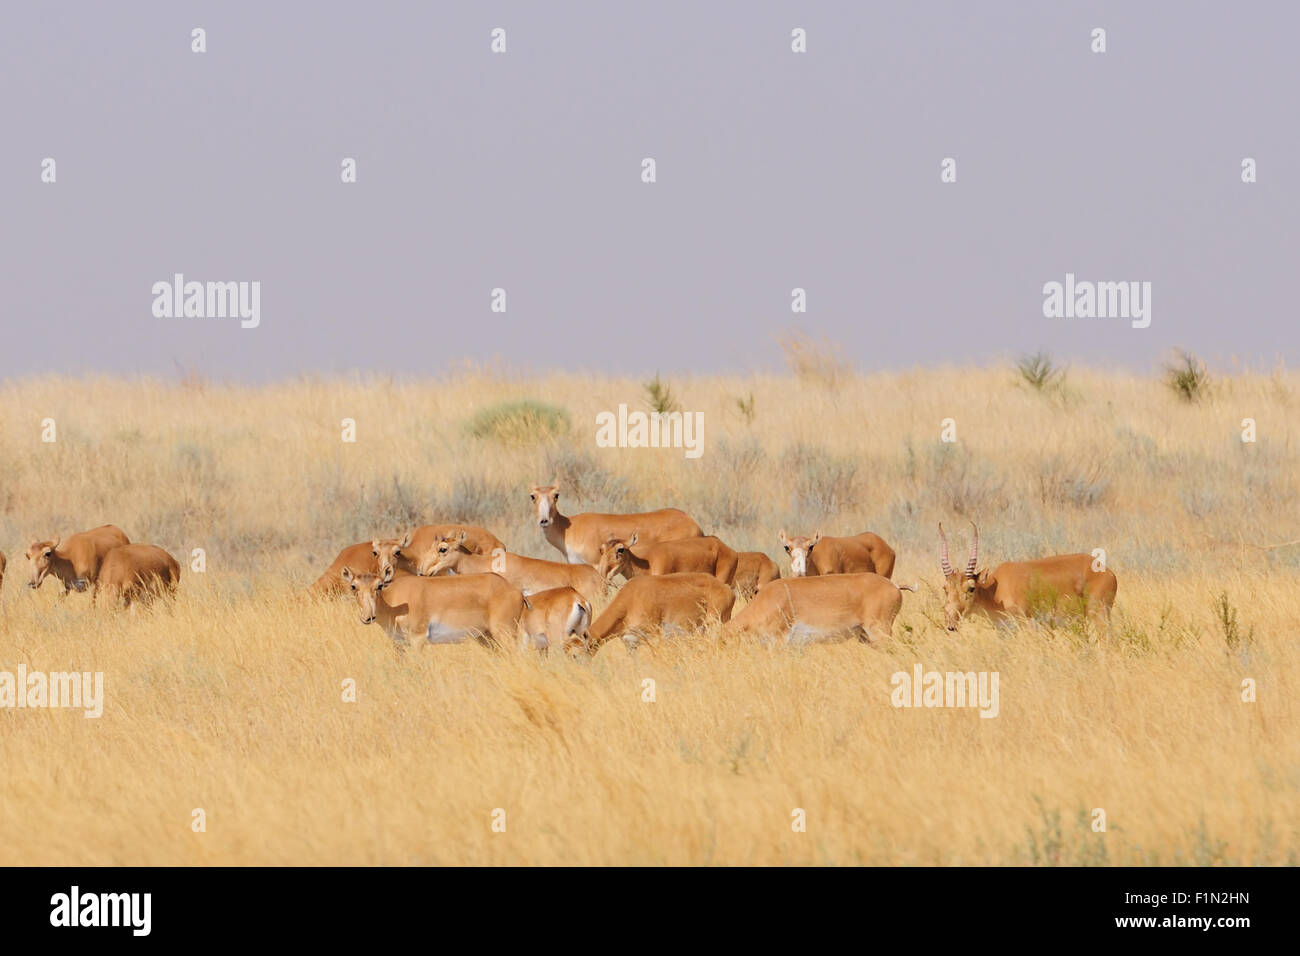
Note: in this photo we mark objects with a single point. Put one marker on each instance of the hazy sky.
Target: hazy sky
(776, 170)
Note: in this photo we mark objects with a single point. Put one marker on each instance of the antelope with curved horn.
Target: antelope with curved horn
(1018, 587)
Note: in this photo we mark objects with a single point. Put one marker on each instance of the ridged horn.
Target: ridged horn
(943, 556)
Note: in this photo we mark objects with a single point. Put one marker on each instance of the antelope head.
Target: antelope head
(41, 554)
(444, 556)
(615, 557)
(366, 588)
(960, 589)
(545, 500)
(800, 550)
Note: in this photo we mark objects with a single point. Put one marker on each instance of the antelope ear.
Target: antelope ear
(460, 538)
(406, 541)
(784, 539)
(817, 536)
(347, 574)
(983, 577)
(388, 574)
(633, 540)
(374, 545)
(55, 545)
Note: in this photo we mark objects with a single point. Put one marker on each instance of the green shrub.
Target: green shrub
(659, 397)
(520, 422)
(1186, 375)
(1039, 372)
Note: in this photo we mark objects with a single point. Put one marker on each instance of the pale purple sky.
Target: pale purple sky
(522, 170)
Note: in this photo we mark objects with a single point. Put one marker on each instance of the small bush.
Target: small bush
(813, 362)
(520, 422)
(474, 500)
(1226, 615)
(584, 481)
(1078, 483)
(659, 397)
(823, 484)
(961, 485)
(727, 497)
(1039, 372)
(1186, 375)
(745, 404)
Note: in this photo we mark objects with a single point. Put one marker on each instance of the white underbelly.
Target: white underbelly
(801, 635)
(439, 633)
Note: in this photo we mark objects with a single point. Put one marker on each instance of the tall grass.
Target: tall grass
(230, 700)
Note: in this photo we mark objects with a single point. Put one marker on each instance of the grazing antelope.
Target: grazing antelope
(75, 561)
(132, 572)
(477, 540)
(579, 537)
(366, 558)
(859, 554)
(753, 570)
(559, 616)
(825, 608)
(669, 602)
(705, 555)
(447, 610)
(530, 575)
(1017, 587)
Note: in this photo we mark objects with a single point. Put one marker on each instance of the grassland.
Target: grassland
(230, 700)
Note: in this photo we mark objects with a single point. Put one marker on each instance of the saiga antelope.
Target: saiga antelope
(364, 558)
(1019, 587)
(131, 572)
(861, 553)
(579, 537)
(447, 610)
(476, 541)
(824, 608)
(753, 570)
(559, 616)
(76, 560)
(671, 603)
(530, 575)
(707, 555)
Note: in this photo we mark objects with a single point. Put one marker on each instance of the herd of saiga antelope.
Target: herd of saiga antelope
(442, 584)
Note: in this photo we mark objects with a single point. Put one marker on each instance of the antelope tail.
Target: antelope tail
(579, 619)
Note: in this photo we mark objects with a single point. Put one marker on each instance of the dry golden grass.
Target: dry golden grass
(230, 700)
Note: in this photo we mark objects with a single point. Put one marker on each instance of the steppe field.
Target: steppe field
(229, 700)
